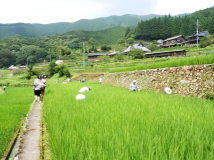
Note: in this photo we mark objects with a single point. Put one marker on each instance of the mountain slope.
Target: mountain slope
(37, 30)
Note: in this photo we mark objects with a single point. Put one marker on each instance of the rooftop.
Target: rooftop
(113, 53)
(165, 52)
(96, 54)
(175, 37)
(200, 34)
(137, 45)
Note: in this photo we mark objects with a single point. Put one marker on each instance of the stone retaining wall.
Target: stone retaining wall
(88, 77)
(188, 80)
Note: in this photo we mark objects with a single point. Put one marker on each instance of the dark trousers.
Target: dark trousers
(42, 92)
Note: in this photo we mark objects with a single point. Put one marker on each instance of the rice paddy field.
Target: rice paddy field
(15, 104)
(178, 62)
(114, 123)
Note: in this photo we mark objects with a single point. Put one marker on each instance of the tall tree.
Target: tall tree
(6, 58)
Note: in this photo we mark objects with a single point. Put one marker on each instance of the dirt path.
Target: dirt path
(30, 143)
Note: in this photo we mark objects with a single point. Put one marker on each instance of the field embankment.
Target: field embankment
(194, 81)
(177, 62)
(114, 123)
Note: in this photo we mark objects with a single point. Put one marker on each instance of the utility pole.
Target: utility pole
(83, 54)
(197, 31)
(83, 38)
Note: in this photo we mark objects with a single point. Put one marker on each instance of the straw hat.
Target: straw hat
(168, 90)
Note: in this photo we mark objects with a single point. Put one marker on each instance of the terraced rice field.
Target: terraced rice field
(15, 103)
(114, 123)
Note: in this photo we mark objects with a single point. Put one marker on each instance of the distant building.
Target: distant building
(173, 41)
(94, 56)
(160, 42)
(22, 67)
(193, 38)
(58, 62)
(137, 45)
(175, 53)
(111, 55)
(13, 68)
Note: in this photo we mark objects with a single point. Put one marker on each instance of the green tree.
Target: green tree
(30, 71)
(136, 53)
(51, 68)
(105, 48)
(153, 47)
(6, 58)
(92, 49)
(33, 53)
(118, 57)
(127, 31)
(104, 58)
(62, 69)
(206, 41)
(130, 40)
(64, 50)
(121, 41)
(92, 41)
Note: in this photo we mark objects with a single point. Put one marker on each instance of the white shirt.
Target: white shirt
(80, 96)
(82, 90)
(100, 79)
(133, 86)
(36, 84)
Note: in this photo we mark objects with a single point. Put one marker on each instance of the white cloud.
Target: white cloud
(182, 6)
(53, 11)
(48, 11)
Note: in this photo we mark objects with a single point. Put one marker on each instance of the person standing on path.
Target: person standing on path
(42, 89)
(37, 89)
(100, 80)
(4, 88)
(133, 86)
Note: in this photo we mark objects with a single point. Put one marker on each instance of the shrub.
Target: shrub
(206, 41)
(51, 68)
(104, 58)
(18, 72)
(105, 48)
(136, 53)
(153, 47)
(209, 96)
(62, 70)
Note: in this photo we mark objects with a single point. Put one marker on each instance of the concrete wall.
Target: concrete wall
(188, 80)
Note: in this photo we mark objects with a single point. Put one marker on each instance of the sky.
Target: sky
(53, 11)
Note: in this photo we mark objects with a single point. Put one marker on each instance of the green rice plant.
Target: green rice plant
(209, 52)
(196, 60)
(114, 123)
(14, 106)
(5, 71)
